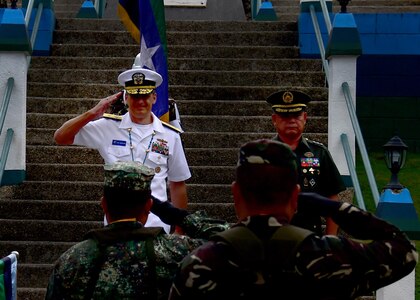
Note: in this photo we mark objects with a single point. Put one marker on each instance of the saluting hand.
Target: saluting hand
(104, 104)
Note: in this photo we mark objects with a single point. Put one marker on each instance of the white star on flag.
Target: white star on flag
(147, 54)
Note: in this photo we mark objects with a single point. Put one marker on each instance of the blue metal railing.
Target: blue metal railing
(361, 142)
(352, 170)
(100, 7)
(6, 101)
(5, 152)
(36, 23)
(319, 36)
(10, 132)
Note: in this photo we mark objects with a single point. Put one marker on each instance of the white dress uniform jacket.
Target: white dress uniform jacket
(154, 145)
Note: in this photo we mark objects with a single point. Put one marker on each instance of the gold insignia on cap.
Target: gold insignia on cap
(287, 97)
(138, 78)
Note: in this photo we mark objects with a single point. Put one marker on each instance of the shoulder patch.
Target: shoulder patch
(112, 116)
(167, 125)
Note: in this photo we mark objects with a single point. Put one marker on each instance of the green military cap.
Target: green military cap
(130, 175)
(267, 152)
(288, 101)
(266, 165)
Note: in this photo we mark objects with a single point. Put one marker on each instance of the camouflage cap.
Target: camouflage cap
(265, 166)
(130, 175)
(265, 151)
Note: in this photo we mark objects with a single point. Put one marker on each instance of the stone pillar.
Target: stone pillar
(14, 49)
(403, 289)
(342, 51)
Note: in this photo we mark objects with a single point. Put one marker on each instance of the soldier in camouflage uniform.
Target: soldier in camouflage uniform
(263, 257)
(126, 260)
(317, 170)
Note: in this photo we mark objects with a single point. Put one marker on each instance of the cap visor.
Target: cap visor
(139, 91)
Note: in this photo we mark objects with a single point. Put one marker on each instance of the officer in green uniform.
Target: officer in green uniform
(125, 260)
(317, 170)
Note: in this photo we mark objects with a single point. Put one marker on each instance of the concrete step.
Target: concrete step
(65, 14)
(185, 107)
(179, 92)
(214, 64)
(80, 155)
(81, 24)
(256, 38)
(91, 36)
(177, 51)
(192, 77)
(35, 252)
(240, 26)
(177, 25)
(195, 123)
(51, 210)
(94, 173)
(212, 194)
(68, 7)
(46, 230)
(34, 276)
(31, 293)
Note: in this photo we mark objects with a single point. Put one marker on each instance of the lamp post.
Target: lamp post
(343, 4)
(396, 206)
(395, 156)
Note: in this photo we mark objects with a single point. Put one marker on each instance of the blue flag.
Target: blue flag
(8, 277)
(146, 23)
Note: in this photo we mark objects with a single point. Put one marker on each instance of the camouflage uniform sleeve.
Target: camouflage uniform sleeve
(203, 274)
(199, 225)
(381, 255)
(53, 289)
(72, 271)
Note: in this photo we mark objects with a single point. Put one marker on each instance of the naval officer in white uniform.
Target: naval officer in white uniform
(138, 136)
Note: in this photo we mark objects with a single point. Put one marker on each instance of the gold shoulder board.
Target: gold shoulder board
(112, 116)
(172, 127)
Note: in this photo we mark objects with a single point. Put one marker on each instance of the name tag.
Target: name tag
(119, 143)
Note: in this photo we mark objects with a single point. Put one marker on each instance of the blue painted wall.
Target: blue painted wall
(44, 37)
(388, 74)
(394, 34)
(390, 63)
